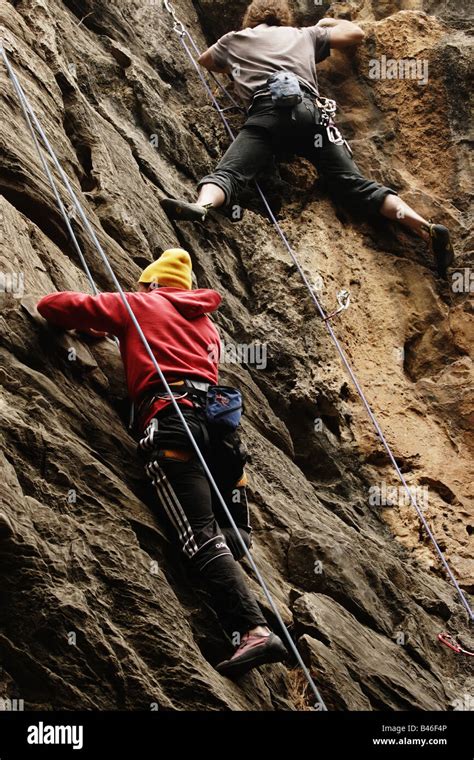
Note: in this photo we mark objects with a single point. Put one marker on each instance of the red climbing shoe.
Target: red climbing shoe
(253, 651)
(442, 248)
(183, 211)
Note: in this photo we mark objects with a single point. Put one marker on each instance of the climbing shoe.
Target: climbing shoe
(183, 211)
(442, 247)
(252, 652)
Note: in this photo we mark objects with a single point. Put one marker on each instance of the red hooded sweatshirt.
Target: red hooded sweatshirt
(183, 339)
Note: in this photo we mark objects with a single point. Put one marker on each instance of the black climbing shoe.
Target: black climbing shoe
(253, 651)
(182, 211)
(442, 248)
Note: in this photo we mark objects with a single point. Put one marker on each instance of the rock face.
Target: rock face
(96, 610)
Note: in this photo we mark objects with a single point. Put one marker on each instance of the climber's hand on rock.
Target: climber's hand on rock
(342, 33)
(328, 22)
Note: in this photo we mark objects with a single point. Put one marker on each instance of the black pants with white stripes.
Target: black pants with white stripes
(198, 519)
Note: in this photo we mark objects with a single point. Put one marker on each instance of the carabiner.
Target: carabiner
(446, 639)
(334, 135)
(178, 27)
(344, 299)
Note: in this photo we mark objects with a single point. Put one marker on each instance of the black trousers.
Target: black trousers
(271, 132)
(199, 522)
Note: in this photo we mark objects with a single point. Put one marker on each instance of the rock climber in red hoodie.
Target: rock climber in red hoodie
(186, 345)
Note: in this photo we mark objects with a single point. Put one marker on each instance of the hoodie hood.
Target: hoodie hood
(190, 303)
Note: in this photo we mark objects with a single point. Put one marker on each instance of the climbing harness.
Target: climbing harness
(450, 641)
(286, 91)
(221, 404)
(327, 105)
(31, 120)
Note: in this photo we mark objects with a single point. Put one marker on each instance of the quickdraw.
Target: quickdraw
(327, 110)
(178, 25)
(450, 641)
(344, 300)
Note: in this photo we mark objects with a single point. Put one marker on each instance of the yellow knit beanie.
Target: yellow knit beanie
(173, 270)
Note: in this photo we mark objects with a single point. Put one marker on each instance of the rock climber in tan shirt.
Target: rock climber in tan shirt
(273, 65)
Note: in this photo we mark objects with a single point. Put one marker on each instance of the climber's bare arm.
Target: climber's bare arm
(342, 33)
(207, 61)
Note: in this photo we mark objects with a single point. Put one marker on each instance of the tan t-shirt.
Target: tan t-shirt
(254, 54)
